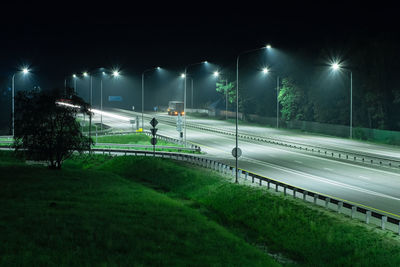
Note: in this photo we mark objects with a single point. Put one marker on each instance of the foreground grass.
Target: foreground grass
(281, 224)
(85, 217)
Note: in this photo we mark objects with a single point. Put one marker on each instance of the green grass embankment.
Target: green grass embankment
(84, 216)
(306, 235)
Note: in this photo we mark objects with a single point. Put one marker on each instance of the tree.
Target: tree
(227, 89)
(292, 99)
(46, 130)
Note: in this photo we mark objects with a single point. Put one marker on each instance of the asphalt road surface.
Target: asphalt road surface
(371, 186)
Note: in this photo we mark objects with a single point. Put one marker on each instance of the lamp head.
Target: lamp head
(335, 66)
(25, 71)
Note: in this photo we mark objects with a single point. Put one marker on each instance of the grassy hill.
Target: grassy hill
(82, 217)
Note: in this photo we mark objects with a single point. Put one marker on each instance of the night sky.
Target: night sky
(68, 37)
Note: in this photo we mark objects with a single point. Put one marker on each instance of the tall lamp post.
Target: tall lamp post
(217, 74)
(336, 67)
(75, 78)
(184, 96)
(24, 72)
(237, 103)
(266, 71)
(156, 68)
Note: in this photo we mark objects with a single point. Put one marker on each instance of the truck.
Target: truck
(175, 108)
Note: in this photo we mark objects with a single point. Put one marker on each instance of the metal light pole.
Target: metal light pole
(75, 78)
(266, 71)
(336, 66)
(184, 98)
(143, 90)
(192, 91)
(351, 105)
(24, 71)
(101, 104)
(12, 103)
(237, 105)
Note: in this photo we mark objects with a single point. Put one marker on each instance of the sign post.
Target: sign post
(153, 130)
(179, 127)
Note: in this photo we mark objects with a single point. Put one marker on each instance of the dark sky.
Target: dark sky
(68, 37)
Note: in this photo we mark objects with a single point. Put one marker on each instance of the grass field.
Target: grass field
(81, 216)
(282, 225)
(151, 211)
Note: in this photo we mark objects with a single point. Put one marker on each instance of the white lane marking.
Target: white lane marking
(298, 162)
(363, 177)
(324, 180)
(328, 169)
(304, 155)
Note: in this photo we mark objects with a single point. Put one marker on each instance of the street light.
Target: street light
(24, 72)
(337, 67)
(155, 68)
(184, 96)
(237, 102)
(75, 78)
(267, 71)
(216, 74)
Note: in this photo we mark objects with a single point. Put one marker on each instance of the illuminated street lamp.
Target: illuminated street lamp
(156, 68)
(24, 72)
(237, 102)
(191, 80)
(336, 67)
(75, 78)
(267, 71)
(115, 73)
(184, 96)
(216, 74)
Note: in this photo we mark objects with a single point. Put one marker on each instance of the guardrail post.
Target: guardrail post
(276, 187)
(383, 221)
(327, 200)
(294, 193)
(367, 216)
(339, 206)
(268, 184)
(259, 178)
(233, 171)
(353, 211)
(304, 195)
(284, 190)
(239, 174)
(399, 228)
(252, 179)
(315, 198)
(245, 175)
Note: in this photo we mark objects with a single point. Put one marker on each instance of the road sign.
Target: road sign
(153, 131)
(153, 141)
(238, 153)
(153, 122)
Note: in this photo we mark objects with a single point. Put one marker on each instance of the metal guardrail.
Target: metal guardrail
(158, 136)
(110, 145)
(352, 156)
(341, 204)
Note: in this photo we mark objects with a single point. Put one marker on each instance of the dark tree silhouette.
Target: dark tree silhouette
(47, 130)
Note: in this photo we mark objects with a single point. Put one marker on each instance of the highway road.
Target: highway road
(371, 186)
